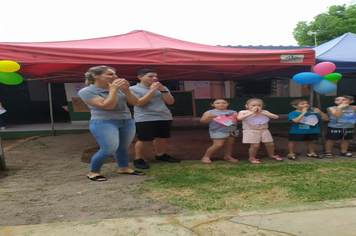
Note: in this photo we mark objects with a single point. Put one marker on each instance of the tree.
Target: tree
(332, 24)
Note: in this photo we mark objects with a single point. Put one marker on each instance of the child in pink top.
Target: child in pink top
(255, 129)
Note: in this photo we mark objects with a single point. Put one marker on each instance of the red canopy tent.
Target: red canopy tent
(174, 59)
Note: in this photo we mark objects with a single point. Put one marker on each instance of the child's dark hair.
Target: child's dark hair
(215, 99)
(142, 72)
(297, 101)
(351, 98)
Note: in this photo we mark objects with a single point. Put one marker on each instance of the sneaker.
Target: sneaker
(167, 158)
(140, 164)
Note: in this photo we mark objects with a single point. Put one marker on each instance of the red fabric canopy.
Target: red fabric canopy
(172, 58)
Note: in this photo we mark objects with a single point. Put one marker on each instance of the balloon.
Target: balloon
(10, 78)
(307, 78)
(324, 87)
(333, 77)
(324, 68)
(9, 66)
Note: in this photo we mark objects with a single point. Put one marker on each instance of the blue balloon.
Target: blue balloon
(307, 78)
(324, 87)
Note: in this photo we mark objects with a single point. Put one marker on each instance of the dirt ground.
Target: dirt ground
(46, 178)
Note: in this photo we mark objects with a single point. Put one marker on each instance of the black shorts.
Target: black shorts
(149, 130)
(304, 137)
(339, 133)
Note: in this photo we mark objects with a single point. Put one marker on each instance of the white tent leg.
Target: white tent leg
(50, 106)
(321, 122)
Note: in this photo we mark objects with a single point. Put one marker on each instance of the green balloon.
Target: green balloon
(333, 77)
(11, 78)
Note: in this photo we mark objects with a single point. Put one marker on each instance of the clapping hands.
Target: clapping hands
(157, 86)
(256, 110)
(343, 105)
(119, 83)
(315, 110)
(212, 115)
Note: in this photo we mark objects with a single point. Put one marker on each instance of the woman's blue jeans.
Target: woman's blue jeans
(114, 138)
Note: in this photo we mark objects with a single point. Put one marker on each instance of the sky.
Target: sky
(219, 22)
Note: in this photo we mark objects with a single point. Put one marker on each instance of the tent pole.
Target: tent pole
(2, 156)
(223, 87)
(321, 122)
(50, 106)
(311, 96)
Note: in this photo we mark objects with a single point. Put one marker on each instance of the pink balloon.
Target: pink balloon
(324, 68)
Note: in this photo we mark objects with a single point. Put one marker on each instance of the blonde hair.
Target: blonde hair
(255, 100)
(96, 70)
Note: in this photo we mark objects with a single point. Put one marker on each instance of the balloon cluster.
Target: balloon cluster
(322, 78)
(7, 73)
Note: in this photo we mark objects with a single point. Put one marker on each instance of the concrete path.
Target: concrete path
(328, 218)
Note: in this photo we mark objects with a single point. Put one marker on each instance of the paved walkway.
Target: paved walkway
(327, 218)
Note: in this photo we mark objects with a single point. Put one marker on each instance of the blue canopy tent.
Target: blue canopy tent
(341, 51)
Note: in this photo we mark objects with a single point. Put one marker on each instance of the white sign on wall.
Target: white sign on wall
(72, 90)
(201, 88)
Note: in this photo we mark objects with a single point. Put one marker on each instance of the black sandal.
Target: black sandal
(97, 178)
(314, 155)
(292, 157)
(329, 155)
(347, 154)
(135, 172)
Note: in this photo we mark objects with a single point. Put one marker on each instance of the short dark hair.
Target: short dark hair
(219, 98)
(142, 72)
(297, 101)
(215, 99)
(351, 98)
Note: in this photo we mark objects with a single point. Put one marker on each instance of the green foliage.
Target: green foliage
(329, 25)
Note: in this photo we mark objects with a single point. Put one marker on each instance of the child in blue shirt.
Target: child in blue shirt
(305, 127)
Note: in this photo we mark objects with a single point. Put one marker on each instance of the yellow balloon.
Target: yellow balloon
(9, 66)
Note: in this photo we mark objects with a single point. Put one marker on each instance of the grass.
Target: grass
(221, 186)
